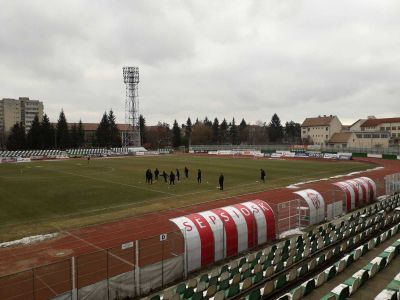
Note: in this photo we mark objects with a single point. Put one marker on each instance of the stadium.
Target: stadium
(255, 156)
(152, 236)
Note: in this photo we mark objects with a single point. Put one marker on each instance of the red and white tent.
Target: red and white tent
(315, 203)
(222, 232)
(359, 191)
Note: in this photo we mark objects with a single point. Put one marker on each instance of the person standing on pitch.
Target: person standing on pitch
(177, 174)
(221, 182)
(165, 175)
(172, 178)
(186, 172)
(88, 159)
(262, 175)
(198, 176)
(156, 173)
(147, 175)
(151, 177)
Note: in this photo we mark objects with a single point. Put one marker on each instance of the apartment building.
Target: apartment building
(13, 111)
(390, 126)
(319, 130)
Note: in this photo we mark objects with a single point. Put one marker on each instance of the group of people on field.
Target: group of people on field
(176, 176)
(171, 177)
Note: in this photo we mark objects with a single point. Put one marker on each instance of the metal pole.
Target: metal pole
(33, 284)
(162, 263)
(223, 241)
(137, 269)
(73, 278)
(108, 283)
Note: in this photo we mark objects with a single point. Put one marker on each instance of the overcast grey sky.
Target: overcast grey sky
(217, 58)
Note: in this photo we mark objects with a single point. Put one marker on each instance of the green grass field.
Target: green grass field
(41, 196)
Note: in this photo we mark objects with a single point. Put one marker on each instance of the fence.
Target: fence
(392, 184)
(135, 268)
(129, 270)
(395, 150)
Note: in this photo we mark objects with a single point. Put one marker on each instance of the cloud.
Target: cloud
(204, 58)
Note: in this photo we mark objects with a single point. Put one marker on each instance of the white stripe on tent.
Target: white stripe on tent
(373, 185)
(348, 187)
(358, 188)
(217, 228)
(193, 242)
(363, 183)
(241, 227)
(260, 220)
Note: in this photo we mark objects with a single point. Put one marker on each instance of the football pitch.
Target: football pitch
(46, 196)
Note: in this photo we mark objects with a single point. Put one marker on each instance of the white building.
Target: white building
(319, 130)
(13, 111)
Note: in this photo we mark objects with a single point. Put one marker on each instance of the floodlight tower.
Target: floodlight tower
(131, 80)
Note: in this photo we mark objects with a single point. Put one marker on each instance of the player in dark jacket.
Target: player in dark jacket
(198, 176)
(186, 172)
(148, 175)
(177, 174)
(172, 178)
(262, 175)
(221, 182)
(165, 175)
(156, 173)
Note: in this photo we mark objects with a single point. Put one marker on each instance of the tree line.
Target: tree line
(207, 132)
(45, 135)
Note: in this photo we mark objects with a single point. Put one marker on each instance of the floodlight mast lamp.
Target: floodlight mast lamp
(131, 80)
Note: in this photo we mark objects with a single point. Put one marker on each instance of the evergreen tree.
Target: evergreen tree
(223, 132)
(142, 127)
(215, 131)
(114, 133)
(17, 139)
(34, 135)
(233, 132)
(243, 132)
(207, 122)
(47, 133)
(73, 136)
(102, 132)
(188, 132)
(80, 134)
(176, 135)
(63, 140)
(292, 132)
(275, 129)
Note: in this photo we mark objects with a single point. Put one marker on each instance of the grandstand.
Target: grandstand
(294, 268)
(38, 154)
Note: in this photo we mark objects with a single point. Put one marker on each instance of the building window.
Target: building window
(326, 128)
(375, 136)
(326, 136)
(383, 136)
(344, 145)
(367, 136)
(308, 129)
(394, 128)
(382, 128)
(388, 128)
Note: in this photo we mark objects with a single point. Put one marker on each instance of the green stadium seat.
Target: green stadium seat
(254, 295)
